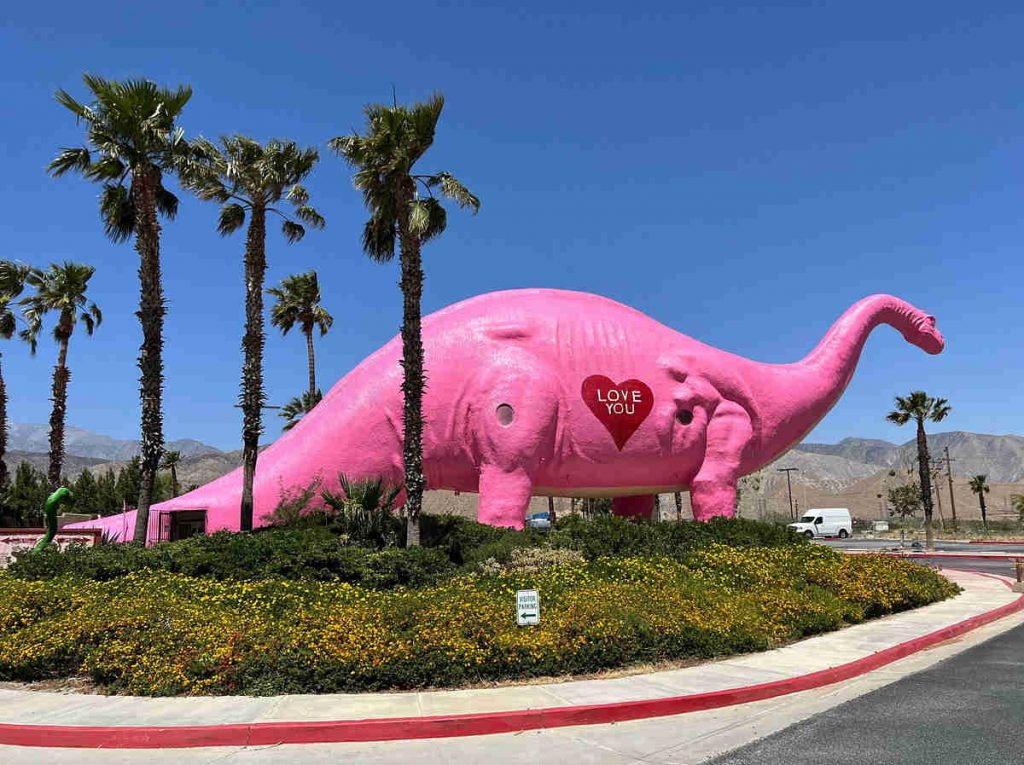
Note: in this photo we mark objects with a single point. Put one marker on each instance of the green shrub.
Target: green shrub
(160, 633)
(290, 553)
(309, 548)
(363, 511)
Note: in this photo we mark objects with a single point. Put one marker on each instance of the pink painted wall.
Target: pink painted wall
(550, 392)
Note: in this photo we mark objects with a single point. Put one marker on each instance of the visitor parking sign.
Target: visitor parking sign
(527, 607)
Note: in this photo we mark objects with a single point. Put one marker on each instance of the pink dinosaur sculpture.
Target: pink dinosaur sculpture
(549, 392)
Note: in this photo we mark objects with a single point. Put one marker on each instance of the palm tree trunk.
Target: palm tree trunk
(413, 379)
(984, 515)
(252, 397)
(151, 365)
(61, 375)
(679, 506)
(4, 473)
(174, 480)
(311, 360)
(924, 472)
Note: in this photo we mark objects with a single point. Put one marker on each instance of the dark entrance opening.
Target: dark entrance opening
(187, 523)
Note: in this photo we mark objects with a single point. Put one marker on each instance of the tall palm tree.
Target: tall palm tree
(979, 485)
(299, 407)
(132, 140)
(12, 283)
(919, 406)
(60, 289)
(171, 460)
(298, 302)
(403, 208)
(248, 178)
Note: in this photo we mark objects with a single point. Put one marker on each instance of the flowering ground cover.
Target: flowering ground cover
(158, 632)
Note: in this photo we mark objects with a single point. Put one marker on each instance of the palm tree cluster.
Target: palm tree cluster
(133, 144)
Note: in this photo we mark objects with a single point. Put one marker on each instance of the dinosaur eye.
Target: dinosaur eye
(505, 413)
(685, 416)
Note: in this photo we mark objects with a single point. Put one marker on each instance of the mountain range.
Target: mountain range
(84, 443)
(851, 473)
(1001, 458)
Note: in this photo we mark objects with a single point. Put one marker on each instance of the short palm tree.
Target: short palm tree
(60, 289)
(404, 208)
(132, 140)
(298, 407)
(919, 406)
(12, 282)
(979, 485)
(171, 460)
(248, 178)
(298, 302)
(1017, 500)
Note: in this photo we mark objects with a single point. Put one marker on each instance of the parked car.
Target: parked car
(540, 521)
(825, 522)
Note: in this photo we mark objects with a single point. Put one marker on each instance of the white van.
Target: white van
(825, 522)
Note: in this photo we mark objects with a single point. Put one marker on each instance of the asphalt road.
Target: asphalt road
(966, 710)
(988, 566)
(858, 543)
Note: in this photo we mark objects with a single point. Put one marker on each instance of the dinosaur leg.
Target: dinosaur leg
(504, 496)
(713, 490)
(514, 426)
(641, 506)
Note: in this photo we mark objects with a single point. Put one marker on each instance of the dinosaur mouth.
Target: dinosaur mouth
(932, 342)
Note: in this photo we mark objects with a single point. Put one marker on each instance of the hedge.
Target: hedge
(313, 552)
(307, 553)
(159, 633)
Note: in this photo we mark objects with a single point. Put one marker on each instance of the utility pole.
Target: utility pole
(952, 499)
(935, 469)
(789, 485)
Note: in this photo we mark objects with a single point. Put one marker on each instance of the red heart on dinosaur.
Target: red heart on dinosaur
(620, 408)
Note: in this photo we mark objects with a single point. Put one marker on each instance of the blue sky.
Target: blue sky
(741, 172)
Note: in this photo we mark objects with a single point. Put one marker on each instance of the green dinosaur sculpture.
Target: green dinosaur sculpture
(54, 502)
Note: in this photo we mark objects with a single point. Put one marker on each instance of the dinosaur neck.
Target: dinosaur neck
(836, 356)
(804, 392)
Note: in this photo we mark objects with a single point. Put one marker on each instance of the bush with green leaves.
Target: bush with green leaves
(159, 633)
(303, 553)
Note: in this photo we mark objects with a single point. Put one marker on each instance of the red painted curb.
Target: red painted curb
(446, 726)
(995, 542)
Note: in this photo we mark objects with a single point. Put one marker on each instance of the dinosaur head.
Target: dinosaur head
(922, 332)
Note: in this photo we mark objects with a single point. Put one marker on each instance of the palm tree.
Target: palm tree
(919, 406)
(979, 485)
(384, 157)
(298, 302)
(60, 289)
(1017, 500)
(171, 460)
(132, 141)
(298, 407)
(248, 178)
(12, 282)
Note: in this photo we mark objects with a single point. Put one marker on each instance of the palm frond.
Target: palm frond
(310, 217)
(70, 160)
(232, 218)
(292, 231)
(451, 188)
(166, 202)
(117, 210)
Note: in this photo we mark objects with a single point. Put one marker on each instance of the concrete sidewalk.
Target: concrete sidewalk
(981, 594)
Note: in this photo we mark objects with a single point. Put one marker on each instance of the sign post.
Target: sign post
(527, 608)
